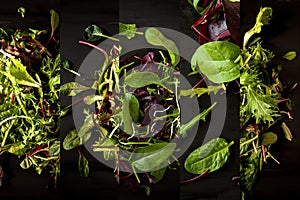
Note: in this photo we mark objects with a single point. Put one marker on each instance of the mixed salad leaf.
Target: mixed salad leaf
(29, 103)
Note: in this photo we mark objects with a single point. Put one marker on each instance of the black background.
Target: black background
(276, 182)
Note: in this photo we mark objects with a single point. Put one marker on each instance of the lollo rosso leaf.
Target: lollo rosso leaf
(216, 60)
(210, 156)
(150, 161)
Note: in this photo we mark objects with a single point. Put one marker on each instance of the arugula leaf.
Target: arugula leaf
(201, 116)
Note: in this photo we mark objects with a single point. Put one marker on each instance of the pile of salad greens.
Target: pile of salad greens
(264, 99)
(137, 116)
(29, 103)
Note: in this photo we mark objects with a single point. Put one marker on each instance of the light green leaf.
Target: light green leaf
(291, 55)
(72, 140)
(152, 160)
(134, 108)
(90, 99)
(26, 163)
(94, 33)
(22, 10)
(216, 60)
(210, 156)
(83, 165)
(17, 73)
(157, 175)
(54, 149)
(72, 88)
(54, 20)
(268, 138)
(142, 79)
(156, 38)
(263, 18)
(128, 30)
(287, 132)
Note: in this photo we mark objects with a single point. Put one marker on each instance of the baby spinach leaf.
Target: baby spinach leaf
(94, 33)
(72, 88)
(211, 155)
(150, 161)
(125, 113)
(128, 30)
(72, 140)
(134, 108)
(268, 138)
(142, 79)
(216, 60)
(156, 38)
(157, 175)
(291, 55)
(54, 149)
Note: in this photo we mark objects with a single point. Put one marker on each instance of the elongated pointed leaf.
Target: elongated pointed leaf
(72, 88)
(151, 161)
(212, 155)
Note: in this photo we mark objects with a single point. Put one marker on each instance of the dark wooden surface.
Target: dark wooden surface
(276, 182)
